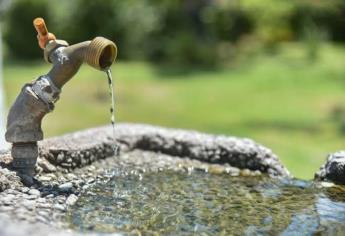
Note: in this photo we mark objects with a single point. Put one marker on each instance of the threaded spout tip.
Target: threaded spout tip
(101, 53)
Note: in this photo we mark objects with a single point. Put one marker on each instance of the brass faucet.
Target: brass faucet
(37, 98)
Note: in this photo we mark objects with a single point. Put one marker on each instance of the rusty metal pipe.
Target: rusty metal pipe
(38, 98)
(99, 53)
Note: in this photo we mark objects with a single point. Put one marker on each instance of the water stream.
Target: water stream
(112, 108)
(200, 203)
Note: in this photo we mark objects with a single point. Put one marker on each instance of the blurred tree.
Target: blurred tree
(192, 31)
(4, 4)
(182, 32)
(20, 35)
(328, 16)
(183, 37)
(271, 19)
(126, 22)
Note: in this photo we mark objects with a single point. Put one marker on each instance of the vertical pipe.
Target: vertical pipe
(3, 144)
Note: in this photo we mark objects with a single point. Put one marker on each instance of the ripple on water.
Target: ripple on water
(170, 203)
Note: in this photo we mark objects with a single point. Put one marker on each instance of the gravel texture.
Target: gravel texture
(64, 170)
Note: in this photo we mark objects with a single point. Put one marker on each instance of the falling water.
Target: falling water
(112, 108)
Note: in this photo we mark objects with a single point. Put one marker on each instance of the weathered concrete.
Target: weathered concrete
(64, 169)
(86, 146)
(334, 168)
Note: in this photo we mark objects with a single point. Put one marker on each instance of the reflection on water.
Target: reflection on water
(182, 203)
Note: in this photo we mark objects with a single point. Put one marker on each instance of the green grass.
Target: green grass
(282, 101)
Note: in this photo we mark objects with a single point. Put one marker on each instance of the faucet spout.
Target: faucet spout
(99, 53)
(36, 99)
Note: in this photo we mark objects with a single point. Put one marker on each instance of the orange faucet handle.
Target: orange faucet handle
(43, 35)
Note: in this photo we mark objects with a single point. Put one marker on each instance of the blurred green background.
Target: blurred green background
(271, 70)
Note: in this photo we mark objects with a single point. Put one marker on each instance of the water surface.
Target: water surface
(200, 203)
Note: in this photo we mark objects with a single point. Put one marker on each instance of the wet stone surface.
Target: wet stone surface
(71, 169)
(47, 202)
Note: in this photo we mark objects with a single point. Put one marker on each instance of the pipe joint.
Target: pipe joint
(45, 89)
(52, 46)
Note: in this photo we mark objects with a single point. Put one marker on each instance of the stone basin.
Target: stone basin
(163, 181)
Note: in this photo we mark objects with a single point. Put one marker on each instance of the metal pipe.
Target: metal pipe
(38, 98)
(99, 53)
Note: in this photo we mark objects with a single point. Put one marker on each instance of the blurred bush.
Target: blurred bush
(128, 23)
(181, 32)
(191, 32)
(328, 16)
(20, 35)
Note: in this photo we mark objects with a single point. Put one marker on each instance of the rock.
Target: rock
(245, 172)
(66, 187)
(327, 184)
(71, 200)
(6, 208)
(45, 178)
(216, 169)
(8, 179)
(7, 200)
(41, 200)
(70, 176)
(30, 197)
(59, 207)
(34, 192)
(11, 191)
(44, 205)
(61, 199)
(43, 213)
(41, 219)
(22, 216)
(334, 168)
(29, 204)
(86, 186)
(60, 158)
(25, 189)
(47, 167)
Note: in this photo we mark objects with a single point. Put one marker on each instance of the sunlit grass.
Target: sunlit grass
(282, 101)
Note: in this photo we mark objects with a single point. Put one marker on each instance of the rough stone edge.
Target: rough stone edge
(333, 170)
(84, 147)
